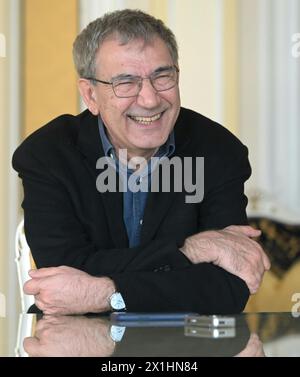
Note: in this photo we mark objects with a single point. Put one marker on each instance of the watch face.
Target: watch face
(117, 302)
(117, 332)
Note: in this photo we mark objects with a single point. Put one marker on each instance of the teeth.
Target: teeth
(146, 120)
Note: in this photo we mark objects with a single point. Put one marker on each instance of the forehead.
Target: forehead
(134, 57)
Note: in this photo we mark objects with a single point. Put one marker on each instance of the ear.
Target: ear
(88, 94)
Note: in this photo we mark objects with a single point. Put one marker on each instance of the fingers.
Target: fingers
(39, 303)
(254, 347)
(44, 272)
(254, 274)
(31, 287)
(41, 325)
(246, 230)
(251, 232)
(254, 284)
(266, 261)
(46, 308)
(247, 262)
(31, 345)
(241, 255)
(254, 280)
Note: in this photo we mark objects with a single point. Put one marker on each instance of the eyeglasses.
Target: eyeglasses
(126, 86)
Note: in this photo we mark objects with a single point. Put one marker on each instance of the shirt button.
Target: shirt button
(141, 222)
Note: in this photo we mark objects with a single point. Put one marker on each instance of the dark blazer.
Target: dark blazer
(68, 222)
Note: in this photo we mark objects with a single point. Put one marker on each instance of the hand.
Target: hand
(65, 290)
(70, 336)
(254, 348)
(232, 249)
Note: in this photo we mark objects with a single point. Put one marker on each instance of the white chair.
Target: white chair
(26, 328)
(24, 263)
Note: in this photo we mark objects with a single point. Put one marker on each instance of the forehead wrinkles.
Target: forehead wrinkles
(132, 57)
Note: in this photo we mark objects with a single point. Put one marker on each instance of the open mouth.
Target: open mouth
(146, 120)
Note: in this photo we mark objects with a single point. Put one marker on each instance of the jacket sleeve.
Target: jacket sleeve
(224, 201)
(202, 288)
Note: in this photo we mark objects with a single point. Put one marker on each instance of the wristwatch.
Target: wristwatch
(117, 332)
(116, 302)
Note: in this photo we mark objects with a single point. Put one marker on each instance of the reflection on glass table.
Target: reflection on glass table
(253, 335)
(279, 332)
(70, 336)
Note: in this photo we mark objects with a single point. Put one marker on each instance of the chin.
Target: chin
(149, 146)
(146, 146)
(152, 141)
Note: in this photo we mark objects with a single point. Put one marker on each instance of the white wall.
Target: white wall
(3, 149)
(198, 27)
(9, 139)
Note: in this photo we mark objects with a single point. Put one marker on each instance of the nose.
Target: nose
(148, 97)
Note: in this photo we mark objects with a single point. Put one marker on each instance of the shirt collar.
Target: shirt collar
(166, 150)
(106, 144)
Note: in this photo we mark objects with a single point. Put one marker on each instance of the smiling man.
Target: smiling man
(140, 250)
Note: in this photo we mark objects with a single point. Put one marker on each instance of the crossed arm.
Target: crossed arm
(66, 290)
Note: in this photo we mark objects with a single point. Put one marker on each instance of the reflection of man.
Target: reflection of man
(84, 336)
(254, 348)
(70, 336)
(148, 251)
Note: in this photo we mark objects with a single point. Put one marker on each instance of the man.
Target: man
(143, 250)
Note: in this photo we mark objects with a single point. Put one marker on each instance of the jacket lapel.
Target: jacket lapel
(156, 209)
(90, 146)
(158, 203)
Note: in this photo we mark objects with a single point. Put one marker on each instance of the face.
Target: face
(143, 123)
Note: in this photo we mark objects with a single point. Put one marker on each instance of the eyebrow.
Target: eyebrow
(164, 68)
(125, 76)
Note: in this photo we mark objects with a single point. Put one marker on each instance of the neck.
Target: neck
(146, 154)
(135, 159)
(131, 154)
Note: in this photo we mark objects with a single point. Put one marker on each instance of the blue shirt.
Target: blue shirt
(134, 202)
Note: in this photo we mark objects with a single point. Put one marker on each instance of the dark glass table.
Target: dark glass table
(255, 334)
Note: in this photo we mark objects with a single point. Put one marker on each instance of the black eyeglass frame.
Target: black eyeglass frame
(139, 81)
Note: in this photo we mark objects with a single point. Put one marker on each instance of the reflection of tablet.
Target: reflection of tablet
(149, 319)
(209, 332)
(210, 321)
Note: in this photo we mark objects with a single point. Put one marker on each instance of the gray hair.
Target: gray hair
(126, 25)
